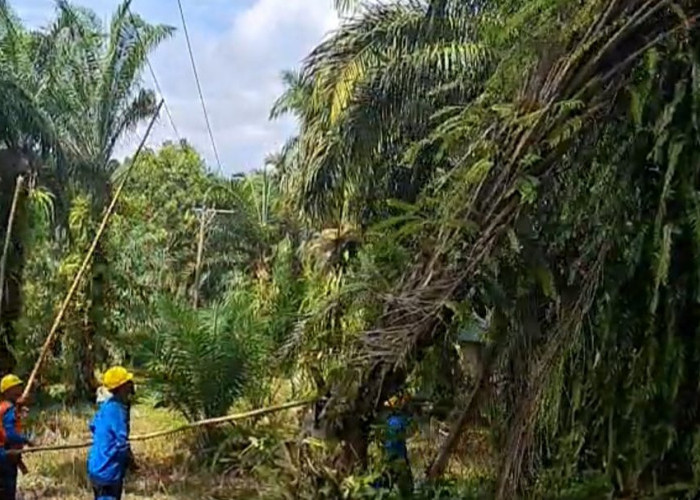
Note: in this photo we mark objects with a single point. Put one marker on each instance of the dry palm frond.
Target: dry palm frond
(329, 246)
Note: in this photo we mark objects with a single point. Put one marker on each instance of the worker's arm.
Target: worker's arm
(12, 437)
(120, 431)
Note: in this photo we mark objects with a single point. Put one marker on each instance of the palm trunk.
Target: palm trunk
(11, 270)
(94, 323)
(437, 467)
(86, 384)
(8, 292)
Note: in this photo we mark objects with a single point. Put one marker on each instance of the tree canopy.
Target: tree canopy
(493, 206)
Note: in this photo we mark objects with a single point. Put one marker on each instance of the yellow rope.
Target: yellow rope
(153, 435)
(83, 267)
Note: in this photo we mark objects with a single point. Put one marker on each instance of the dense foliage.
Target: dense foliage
(522, 169)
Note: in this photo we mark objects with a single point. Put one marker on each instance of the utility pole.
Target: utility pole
(206, 216)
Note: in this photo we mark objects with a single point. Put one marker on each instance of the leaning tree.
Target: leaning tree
(566, 204)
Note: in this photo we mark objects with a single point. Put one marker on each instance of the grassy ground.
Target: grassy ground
(165, 471)
(258, 464)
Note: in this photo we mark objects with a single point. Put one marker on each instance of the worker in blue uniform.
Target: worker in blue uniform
(11, 436)
(110, 455)
(397, 471)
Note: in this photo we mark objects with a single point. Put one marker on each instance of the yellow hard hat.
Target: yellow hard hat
(397, 400)
(116, 377)
(10, 381)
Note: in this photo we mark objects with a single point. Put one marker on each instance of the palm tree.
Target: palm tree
(346, 6)
(546, 195)
(27, 135)
(98, 98)
(294, 101)
(376, 85)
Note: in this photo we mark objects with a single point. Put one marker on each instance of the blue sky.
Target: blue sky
(241, 47)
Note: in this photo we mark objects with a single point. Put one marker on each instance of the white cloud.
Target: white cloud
(240, 50)
(281, 17)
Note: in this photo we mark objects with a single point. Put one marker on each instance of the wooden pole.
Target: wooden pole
(86, 261)
(8, 237)
(200, 251)
(206, 216)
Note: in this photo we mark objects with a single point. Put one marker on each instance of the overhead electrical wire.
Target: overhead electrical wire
(199, 86)
(153, 75)
(165, 104)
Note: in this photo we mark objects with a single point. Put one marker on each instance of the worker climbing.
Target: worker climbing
(110, 455)
(11, 436)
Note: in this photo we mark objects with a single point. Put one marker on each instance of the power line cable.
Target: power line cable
(165, 104)
(153, 75)
(199, 86)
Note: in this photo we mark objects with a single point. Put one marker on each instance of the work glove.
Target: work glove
(31, 439)
(25, 402)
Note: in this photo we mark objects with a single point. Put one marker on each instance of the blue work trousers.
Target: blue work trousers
(8, 480)
(107, 491)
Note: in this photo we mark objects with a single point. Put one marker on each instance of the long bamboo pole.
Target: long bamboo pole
(86, 261)
(153, 435)
(8, 237)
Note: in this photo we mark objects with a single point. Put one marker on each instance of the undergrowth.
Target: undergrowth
(264, 458)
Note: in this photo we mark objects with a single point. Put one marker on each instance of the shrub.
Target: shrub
(202, 360)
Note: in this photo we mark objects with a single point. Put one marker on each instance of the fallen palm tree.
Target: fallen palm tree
(570, 210)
